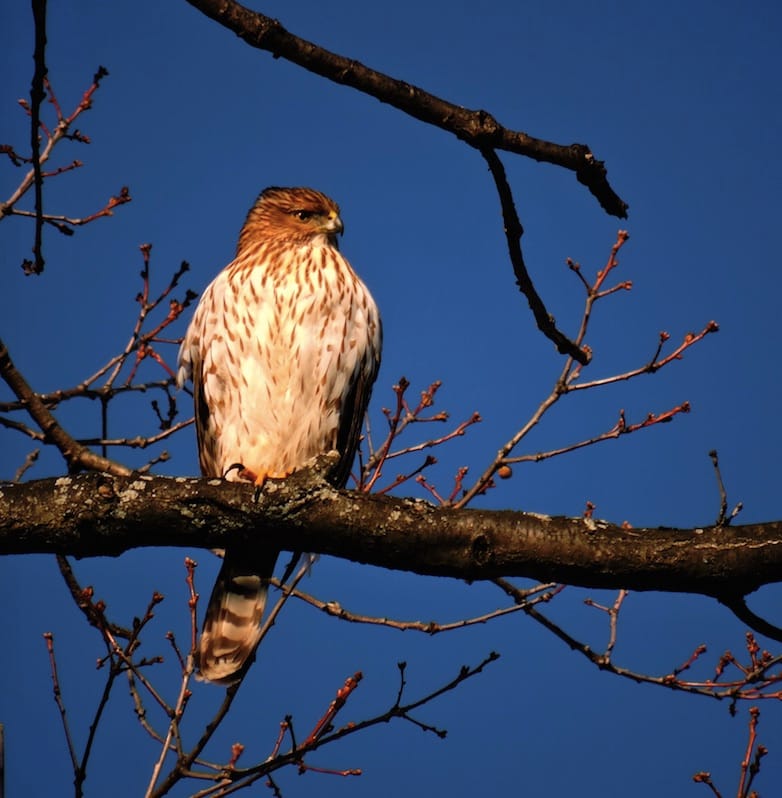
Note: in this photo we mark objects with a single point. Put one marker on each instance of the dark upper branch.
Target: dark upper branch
(513, 233)
(99, 514)
(479, 129)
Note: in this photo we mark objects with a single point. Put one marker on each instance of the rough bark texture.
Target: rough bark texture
(99, 514)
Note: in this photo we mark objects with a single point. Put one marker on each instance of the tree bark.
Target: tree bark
(96, 514)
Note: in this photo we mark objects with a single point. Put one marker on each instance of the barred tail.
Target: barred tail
(233, 616)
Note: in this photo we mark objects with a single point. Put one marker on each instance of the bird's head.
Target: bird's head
(294, 215)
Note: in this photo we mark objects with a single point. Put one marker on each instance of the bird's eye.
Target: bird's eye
(303, 215)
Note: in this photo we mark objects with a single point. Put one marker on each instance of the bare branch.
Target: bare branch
(759, 679)
(513, 234)
(60, 132)
(723, 519)
(537, 594)
(100, 514)
(49, 638)
(620, 428)
(76, 455)
(567, 383)
(750, 765)
(478, 129)
(738, 606)
(37, 95)
(28, 463)
(655, 364)
(65, 223)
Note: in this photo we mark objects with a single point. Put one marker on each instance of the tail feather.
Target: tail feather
(232, 623)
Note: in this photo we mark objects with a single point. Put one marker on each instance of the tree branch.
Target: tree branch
(75, 454)
(513, 233)
(100, 514)
(478, 128)
(37, 95)
(737, 605)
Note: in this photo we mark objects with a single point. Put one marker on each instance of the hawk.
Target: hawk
(283, 349)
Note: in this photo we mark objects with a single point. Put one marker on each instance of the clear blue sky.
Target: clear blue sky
(682, 102)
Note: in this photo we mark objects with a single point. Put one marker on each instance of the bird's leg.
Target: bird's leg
(244, 474)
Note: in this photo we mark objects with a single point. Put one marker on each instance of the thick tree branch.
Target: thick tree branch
(99, 514)
(479, 128)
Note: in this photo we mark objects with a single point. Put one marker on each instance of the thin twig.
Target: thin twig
(37, 95)
(185, 762)
(61, 131)
(28, 463)
(723, 513)
(756, 682)
(324, 724)
(173, 725)
(75, 455)
(336, 610)
(84, 391)
(619, 429)
(139, 441)
(398, 710)
(566, 382)
(49, 638)
(654, 365)
(613, 616)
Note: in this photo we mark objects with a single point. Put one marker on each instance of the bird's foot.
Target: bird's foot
(240, 471)
(258, 478)
(245, 474)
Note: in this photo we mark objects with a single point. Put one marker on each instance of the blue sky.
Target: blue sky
(681, 101)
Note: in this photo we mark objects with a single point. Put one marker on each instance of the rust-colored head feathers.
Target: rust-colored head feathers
(293, 215)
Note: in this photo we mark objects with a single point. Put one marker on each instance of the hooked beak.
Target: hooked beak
(333, 224)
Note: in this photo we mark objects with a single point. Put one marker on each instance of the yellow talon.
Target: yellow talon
(258, 478)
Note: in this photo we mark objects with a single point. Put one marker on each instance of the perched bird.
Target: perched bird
(283, 349)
